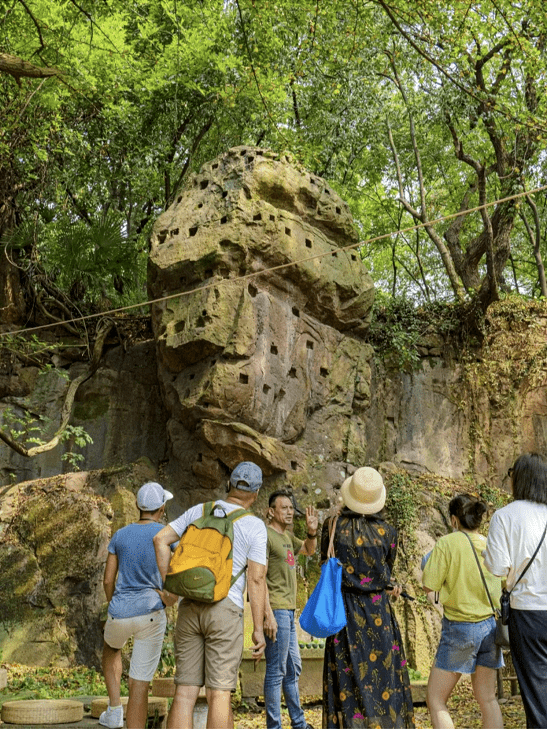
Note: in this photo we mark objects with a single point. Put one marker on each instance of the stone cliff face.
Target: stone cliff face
(466, 414)
(120, 407)
(261, 357)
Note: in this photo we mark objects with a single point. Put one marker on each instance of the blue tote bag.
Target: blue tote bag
(324, 613)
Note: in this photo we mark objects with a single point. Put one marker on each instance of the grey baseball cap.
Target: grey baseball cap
(151, 496)
(248, 473)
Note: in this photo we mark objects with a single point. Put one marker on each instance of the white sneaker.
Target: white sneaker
(112, 717)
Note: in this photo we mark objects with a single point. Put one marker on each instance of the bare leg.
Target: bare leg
(484, 688)
(181, 713)
(439, 689)
(112, 671)
(137, 705)
(219, 714)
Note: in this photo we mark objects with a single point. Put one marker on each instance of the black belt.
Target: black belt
(360, 591)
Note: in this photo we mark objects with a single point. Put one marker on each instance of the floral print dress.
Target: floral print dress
(365, 678)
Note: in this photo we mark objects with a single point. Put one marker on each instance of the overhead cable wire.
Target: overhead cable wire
(263, 272)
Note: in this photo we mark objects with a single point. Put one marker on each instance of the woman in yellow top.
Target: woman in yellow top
(467, 643)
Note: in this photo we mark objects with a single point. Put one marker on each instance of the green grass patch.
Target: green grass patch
(51, 683)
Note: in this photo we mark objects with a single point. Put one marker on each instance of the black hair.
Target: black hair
(468, 509)
(278, 493)
(529, 475)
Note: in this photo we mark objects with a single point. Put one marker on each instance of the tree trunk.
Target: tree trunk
(12, 301)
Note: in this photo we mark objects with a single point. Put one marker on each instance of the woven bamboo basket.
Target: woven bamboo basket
(155, 704)
(163, 687)
(42, 712)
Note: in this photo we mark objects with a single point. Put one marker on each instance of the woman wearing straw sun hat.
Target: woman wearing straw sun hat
(365, 679)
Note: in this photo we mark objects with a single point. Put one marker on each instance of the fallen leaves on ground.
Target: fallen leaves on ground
(462, 706)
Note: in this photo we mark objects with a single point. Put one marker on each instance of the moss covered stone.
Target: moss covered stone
(52, 556)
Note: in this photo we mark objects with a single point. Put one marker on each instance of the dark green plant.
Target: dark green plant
(394, 331)
(167, 663)
(401, 507)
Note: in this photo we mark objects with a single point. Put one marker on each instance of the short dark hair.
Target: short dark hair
(530, 478)
(468, 509)
(278, 493)
(145, 512)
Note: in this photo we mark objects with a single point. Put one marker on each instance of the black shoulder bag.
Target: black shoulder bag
(502, 631)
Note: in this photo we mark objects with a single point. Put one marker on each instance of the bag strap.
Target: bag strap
(530, 561)
(332, 528)
(237, 514)
(234, 515)
(207, 509)
(237, 575)
(495, 612)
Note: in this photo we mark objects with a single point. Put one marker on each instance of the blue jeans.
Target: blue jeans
(283, 667)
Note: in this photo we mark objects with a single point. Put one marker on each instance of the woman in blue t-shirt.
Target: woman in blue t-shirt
(133, 587)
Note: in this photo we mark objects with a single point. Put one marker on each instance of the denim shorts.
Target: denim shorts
(464, 645)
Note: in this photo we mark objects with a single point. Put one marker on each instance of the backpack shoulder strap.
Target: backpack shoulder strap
(237, 514)
(208, 509)
(234, 515)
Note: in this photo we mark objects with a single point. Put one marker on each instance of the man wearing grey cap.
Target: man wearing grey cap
(209, 636)
(133, 587)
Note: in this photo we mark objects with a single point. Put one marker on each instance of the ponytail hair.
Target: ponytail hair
(468, 509)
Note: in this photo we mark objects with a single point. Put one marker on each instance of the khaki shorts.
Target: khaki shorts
(209, 644)
(147, 632)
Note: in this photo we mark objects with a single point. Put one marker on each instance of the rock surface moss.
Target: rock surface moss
(52, 555)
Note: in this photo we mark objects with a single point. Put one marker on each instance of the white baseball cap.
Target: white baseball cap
(151, 496)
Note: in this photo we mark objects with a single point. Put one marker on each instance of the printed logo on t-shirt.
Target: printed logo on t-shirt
(290, 558)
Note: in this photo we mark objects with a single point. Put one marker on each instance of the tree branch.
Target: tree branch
(535, 240)
(17, 67)
(38, 29)
(422, 215)
(449, 76)
(201, 134)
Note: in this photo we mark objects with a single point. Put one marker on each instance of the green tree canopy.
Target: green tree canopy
(412, 111)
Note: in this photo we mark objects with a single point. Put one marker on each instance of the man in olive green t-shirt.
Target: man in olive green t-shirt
(283, 662)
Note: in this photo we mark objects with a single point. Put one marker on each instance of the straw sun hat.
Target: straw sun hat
(364, 491)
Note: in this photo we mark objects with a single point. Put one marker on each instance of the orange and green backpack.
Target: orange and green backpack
(201, 566)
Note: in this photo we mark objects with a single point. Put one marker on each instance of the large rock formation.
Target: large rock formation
(54, 535)
(261, 357)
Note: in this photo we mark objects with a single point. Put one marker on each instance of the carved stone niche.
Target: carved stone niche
(261, 356)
